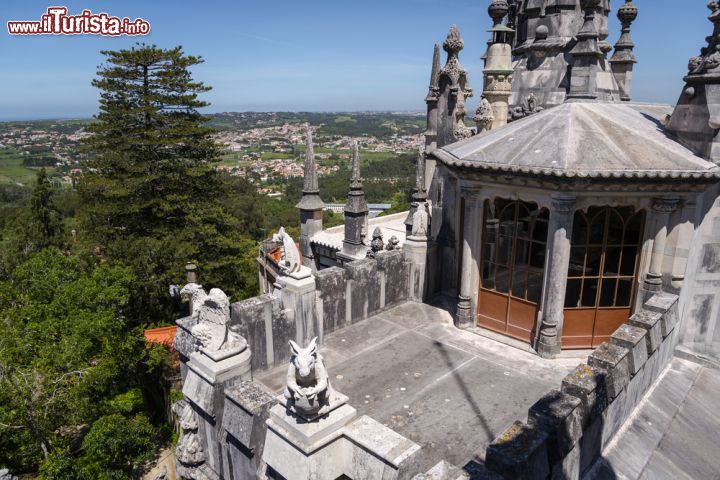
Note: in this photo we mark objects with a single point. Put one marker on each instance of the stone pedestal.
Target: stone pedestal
(301, 449)
(297, 296)
(419, 251)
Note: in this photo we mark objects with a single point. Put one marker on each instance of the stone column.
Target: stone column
(662, 208)
(470, 270)
(557, 263)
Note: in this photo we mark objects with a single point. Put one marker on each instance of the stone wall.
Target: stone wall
(701, 289)
(302, 309)
(567, 429)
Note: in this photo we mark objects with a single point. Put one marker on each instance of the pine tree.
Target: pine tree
(45, 224)
(151, 195)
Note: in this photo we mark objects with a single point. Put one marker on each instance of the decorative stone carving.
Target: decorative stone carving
(212, 313)
(377, 244)
(529, 107)
(393, 244)
(290, 261)
(420, 222)
(484, 115)
(459, 88)
(189, 450)
(308, 391)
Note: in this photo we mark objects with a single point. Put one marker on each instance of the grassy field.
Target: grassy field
(12, 170)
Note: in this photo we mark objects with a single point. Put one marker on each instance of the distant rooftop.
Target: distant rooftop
(390, 225)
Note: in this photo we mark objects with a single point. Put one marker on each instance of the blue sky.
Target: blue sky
(312, 55)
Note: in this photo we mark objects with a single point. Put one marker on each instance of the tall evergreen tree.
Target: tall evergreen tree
(45, 219)
(151, 196)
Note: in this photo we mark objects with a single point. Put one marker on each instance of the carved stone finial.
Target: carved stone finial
(623, 58)
(377, 244)
(498, 10)
(453, 42)
(434, 89)
(586, 56)
(484, 115)
(311, 191)
(356, 180)
(393, 244)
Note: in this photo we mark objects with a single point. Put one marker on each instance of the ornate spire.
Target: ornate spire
(434, 90)
(311, 192)
(492, 111)
(451, 126)
(696, 118)
(356, 180)
(586, 56)
(356, 213)
(623, 59)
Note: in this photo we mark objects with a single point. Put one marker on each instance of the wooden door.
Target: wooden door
(602, 276)
(512, 265)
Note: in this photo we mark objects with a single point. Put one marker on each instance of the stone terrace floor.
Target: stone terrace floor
(449, 390)
(673, 434)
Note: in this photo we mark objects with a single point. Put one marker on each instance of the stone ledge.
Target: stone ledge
(650, 321)
(614, 360)
(665, 304)
(382, 441)
(519, 453)
(560, 415)
(588, 384)
(632, 338)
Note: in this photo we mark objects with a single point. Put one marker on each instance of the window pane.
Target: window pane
(537, 256)
(629, 255)
(615, 229)
(592, 265)
(580, 229)
(502, 279)
(633, 229)
(488, 275)
(624, 292)
(522, 252)
(589, 293)
(540, 230)
(504, 250)
(519, 280)
(607, 294)
(572, 294)
(534, 286)
(597, 227)
(577, 261)
(612, 260)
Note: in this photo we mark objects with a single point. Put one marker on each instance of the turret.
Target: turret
(310, 205)
(586, 56)
(356, 215)
(623, 59)
(497, 74)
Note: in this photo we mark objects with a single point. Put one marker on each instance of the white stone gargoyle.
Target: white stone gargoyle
(291, 261)
(308, 389)
(212, 313)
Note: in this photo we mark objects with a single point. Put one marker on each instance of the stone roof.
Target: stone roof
(582, 140)
(390, 225)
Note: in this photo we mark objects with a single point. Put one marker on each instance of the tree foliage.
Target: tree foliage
(151, 197)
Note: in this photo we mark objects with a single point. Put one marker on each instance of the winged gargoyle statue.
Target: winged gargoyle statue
(212, 313)
(291, 261)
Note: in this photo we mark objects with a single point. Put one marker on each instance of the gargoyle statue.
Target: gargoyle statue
(308, 389)
(290, 262)
(212, 313)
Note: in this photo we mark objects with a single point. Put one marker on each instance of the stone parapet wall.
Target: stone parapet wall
(567, 429)
(300, 310)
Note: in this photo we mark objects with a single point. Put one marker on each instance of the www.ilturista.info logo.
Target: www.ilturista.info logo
(57, 22)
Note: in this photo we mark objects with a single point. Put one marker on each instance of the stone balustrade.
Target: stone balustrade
(567, 429)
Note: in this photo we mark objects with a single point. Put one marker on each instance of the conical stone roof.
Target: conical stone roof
(581, 140)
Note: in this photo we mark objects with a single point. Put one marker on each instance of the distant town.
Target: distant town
(265, 148)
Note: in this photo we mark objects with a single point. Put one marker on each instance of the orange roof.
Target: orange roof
(164, 336)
